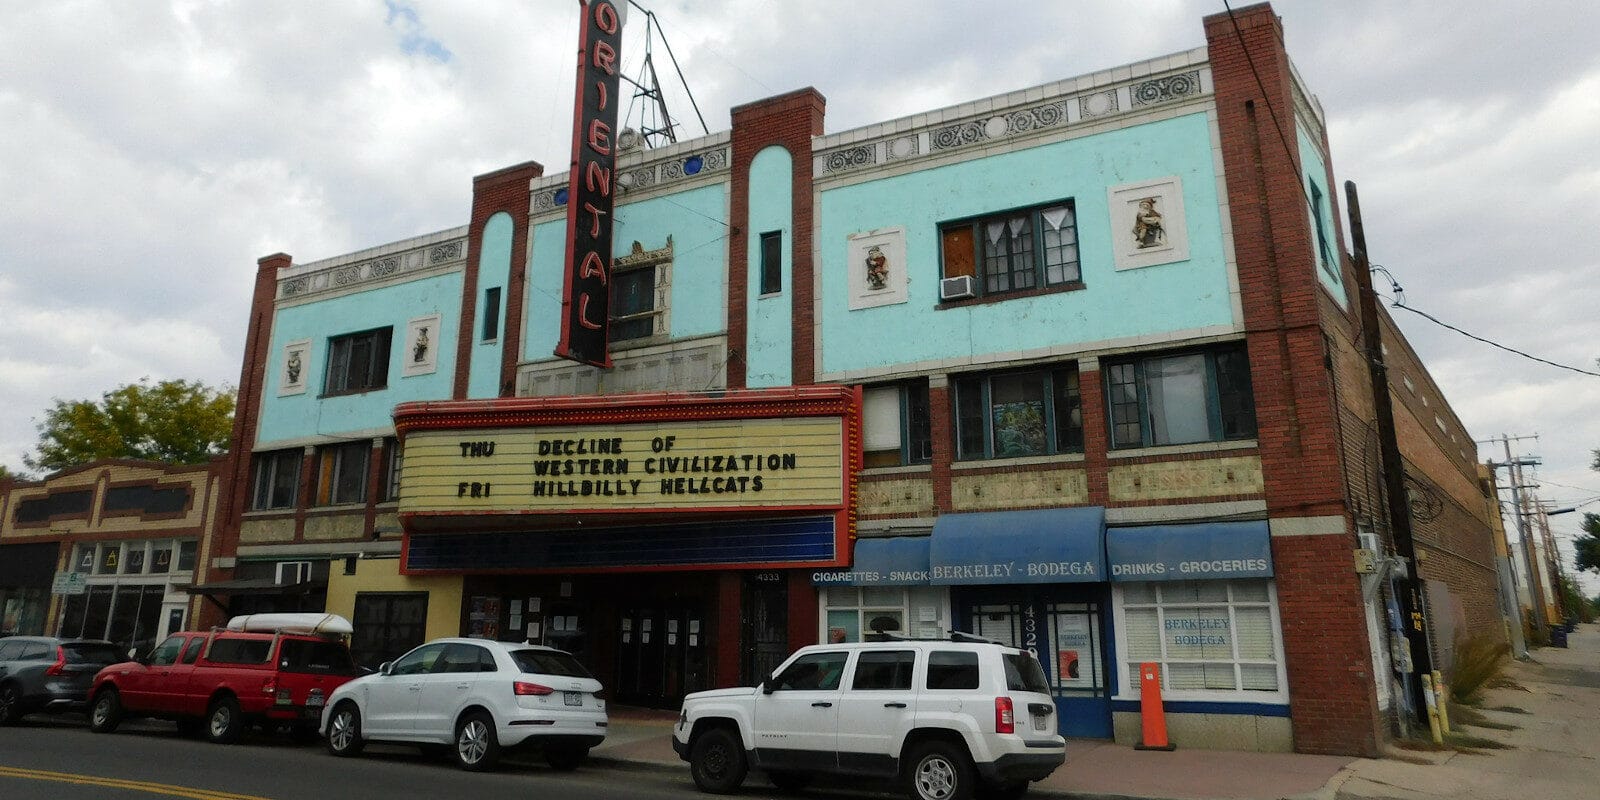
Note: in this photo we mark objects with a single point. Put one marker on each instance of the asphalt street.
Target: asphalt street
(62, 760)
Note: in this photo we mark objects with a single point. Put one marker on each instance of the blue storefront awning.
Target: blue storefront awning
(1052, 545)
(1207, 551)
(889, 561)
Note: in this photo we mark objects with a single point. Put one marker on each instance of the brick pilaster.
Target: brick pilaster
(493, 192)
(1333, 702)
(235, 470)
(790, 121)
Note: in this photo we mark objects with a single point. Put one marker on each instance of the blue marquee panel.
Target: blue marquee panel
(808, 539)
(1208, 551)
(891, 561)
(1051, 545)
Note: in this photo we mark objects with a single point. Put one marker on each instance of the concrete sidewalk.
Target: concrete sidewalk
(643, 739)
(1553, 754)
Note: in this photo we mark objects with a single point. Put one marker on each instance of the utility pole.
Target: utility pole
(1411, 606)
(1519, 502)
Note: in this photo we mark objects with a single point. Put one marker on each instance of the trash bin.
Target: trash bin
(1558, 636)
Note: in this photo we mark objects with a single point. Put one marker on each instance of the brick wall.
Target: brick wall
(789, 121)
(502, 190)
(1332, 693)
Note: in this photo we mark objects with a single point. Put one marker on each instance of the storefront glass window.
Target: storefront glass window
(853, 613)
(1208, 636)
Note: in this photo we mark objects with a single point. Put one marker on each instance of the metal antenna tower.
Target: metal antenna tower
(656, 126)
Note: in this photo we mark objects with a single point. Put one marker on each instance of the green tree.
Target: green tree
(1588, 545)
(175, 421)
(7, 474)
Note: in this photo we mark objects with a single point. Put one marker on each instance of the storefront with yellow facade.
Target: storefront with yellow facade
(666, 539)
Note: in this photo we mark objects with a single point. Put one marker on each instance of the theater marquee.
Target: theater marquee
(789, 463)
(549, 462)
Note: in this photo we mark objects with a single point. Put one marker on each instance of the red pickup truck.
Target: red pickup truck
(216, 683)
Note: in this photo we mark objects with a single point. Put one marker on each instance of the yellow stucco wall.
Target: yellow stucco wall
(383, 575)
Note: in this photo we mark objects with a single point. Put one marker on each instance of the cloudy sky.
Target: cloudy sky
(150, 152)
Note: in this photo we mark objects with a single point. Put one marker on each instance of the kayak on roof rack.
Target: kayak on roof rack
(302, 622)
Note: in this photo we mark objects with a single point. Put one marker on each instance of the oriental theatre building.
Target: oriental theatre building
(667, 540)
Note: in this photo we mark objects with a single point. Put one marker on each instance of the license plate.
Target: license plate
(1039, 722)
(572, 698)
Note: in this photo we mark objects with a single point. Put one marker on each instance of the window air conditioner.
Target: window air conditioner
(957, 288)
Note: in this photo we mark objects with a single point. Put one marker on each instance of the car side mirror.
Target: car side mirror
(769, 685)
(386, 668)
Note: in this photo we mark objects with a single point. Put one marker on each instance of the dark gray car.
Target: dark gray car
(42, 673)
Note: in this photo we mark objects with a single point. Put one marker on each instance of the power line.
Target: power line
(1491, 343)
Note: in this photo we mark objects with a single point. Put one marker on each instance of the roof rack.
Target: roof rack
(962, 636)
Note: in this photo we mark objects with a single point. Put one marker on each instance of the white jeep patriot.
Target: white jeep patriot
(952, 719)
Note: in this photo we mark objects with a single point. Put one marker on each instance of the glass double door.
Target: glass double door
(1063, 627)
(662, 653)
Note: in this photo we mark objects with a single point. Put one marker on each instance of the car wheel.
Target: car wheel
(224, 723)
(10, 704)
(477, 745)
(565, 759)
(717, 761)
(344, 731)
(191, 727)
(790, 781)
(939, 771)
(106, 713)
(1002, 791)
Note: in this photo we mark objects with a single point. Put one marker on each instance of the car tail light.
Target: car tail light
(60, 667)
(1005, 721)
(525, 688)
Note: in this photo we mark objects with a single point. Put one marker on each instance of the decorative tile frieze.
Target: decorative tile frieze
(1009, 120)
(343, 277)
(1099, 104)
(1165, 89)
(1177, 480)
(652, 175)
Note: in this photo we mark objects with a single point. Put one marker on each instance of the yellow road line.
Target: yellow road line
(120, 783)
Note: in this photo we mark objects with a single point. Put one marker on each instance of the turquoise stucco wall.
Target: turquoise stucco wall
(696, 219)
(1148, 301)
(769, 342)
(1316, 172)
(494, 270)
(310, 414)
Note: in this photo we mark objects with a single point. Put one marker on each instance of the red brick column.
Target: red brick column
(730, 627)
(235, 468)
(790, 121)
(1333, 702)
(1096, 432)
(942, 436)
(502, 190)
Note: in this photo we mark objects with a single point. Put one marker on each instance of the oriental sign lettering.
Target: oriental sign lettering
(586, 301)
(767, 463)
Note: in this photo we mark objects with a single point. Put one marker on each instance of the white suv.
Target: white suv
(473, 697)
(953, 719)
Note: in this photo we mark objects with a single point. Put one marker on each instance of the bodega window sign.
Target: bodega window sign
(585, 301)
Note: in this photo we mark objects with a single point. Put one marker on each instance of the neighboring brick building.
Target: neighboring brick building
(136, 533)
(1076, 367)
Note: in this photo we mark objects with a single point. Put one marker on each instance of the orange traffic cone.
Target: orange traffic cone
(1153, 719)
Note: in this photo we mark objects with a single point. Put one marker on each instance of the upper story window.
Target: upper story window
(1015, 251)
(491, 314)
(896, 425)
(342, 472)
(1014, 414)
(391, 470)
(772, 262)
(358, 362)
(1181, 398)
(1324, 250)
(275, 478)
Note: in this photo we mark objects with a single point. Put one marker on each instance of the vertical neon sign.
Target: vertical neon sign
(585, 300)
